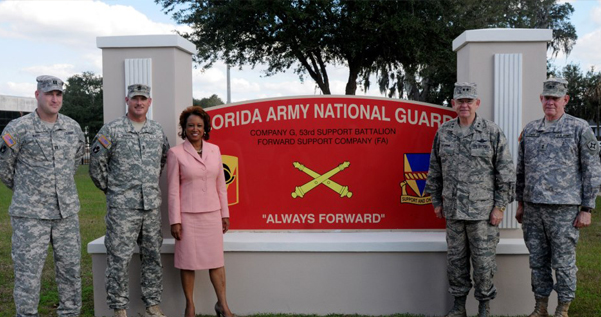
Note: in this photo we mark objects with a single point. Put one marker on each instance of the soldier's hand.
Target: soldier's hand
(496, 216)
(225, 222)
(583, 219)
(176, 231)
(519, 213)
(438, 211)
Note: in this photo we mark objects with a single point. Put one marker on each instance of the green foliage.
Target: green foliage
(592, 96)
(212, 101)
(83, 101)
(406, 44)
(433, 74)
(576, 89)
(585, 92)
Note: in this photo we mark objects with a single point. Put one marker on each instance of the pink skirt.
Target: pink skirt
(201, 245)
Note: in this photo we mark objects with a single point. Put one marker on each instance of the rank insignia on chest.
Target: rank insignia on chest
(104, 141)
(8, 139)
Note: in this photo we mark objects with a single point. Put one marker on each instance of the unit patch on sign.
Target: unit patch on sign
(416, 172)
(230, 170)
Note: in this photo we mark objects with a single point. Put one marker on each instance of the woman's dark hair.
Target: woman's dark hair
(198, 111)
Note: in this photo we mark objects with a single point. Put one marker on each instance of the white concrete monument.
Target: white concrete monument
(343, 272)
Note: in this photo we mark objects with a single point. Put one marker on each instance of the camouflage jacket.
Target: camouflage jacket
(559, 164)
(126, 165)
(39, 163)
(470, 174)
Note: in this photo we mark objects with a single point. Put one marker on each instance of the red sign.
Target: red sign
(328, 162)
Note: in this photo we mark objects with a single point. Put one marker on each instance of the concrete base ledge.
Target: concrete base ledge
(367, 273)
(420, 241)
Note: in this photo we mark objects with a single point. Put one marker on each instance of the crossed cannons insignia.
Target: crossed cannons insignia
(321, 179)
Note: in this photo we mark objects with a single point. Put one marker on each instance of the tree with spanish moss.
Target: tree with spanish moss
(405, 44)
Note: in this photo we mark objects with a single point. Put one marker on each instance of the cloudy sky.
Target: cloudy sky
(59, 38)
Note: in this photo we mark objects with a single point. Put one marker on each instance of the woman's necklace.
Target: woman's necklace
(199, 151)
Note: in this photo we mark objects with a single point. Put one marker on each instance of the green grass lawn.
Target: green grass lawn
(587, 303)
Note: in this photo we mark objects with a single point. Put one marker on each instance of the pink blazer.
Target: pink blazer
(195, 184)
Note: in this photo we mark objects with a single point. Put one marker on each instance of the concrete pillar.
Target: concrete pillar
(164, 62)
(476, 50)
(509, 67)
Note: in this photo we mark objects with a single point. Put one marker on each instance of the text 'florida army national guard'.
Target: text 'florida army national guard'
(128, 155)
(471, 179)
(39, 154)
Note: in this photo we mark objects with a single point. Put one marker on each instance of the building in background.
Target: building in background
(13, 107)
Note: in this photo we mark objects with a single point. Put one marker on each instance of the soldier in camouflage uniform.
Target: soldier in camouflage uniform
(39, 154)
(558, 176)
(471, 180)
(128, 155)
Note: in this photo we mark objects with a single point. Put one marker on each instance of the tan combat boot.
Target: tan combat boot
(540, 308)
(154, 311)
(120, 313)
(458, 309)
(562, 309)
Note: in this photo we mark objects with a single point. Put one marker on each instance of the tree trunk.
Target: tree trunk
(325, 88)
(316, 68)
(351, 84)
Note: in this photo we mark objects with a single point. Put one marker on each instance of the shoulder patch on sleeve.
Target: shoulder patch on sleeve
(8, 139)
(593, 146)
(589, 141)
(104, 141)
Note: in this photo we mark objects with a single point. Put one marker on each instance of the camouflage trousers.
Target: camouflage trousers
(551, 238)
(30, 241)
(126, 229)
(476, 240)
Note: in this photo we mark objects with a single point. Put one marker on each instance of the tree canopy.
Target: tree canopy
(83, 102)
(406, 44)
(212, 101)
(585, 92)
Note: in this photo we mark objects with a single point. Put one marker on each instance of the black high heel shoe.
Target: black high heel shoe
(219, 311)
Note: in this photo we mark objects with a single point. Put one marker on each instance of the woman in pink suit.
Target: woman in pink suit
(198, 211)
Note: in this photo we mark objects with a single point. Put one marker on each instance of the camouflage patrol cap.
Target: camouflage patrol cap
(48, 83)
(555, 87)
(138, 90)
(465, 90)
